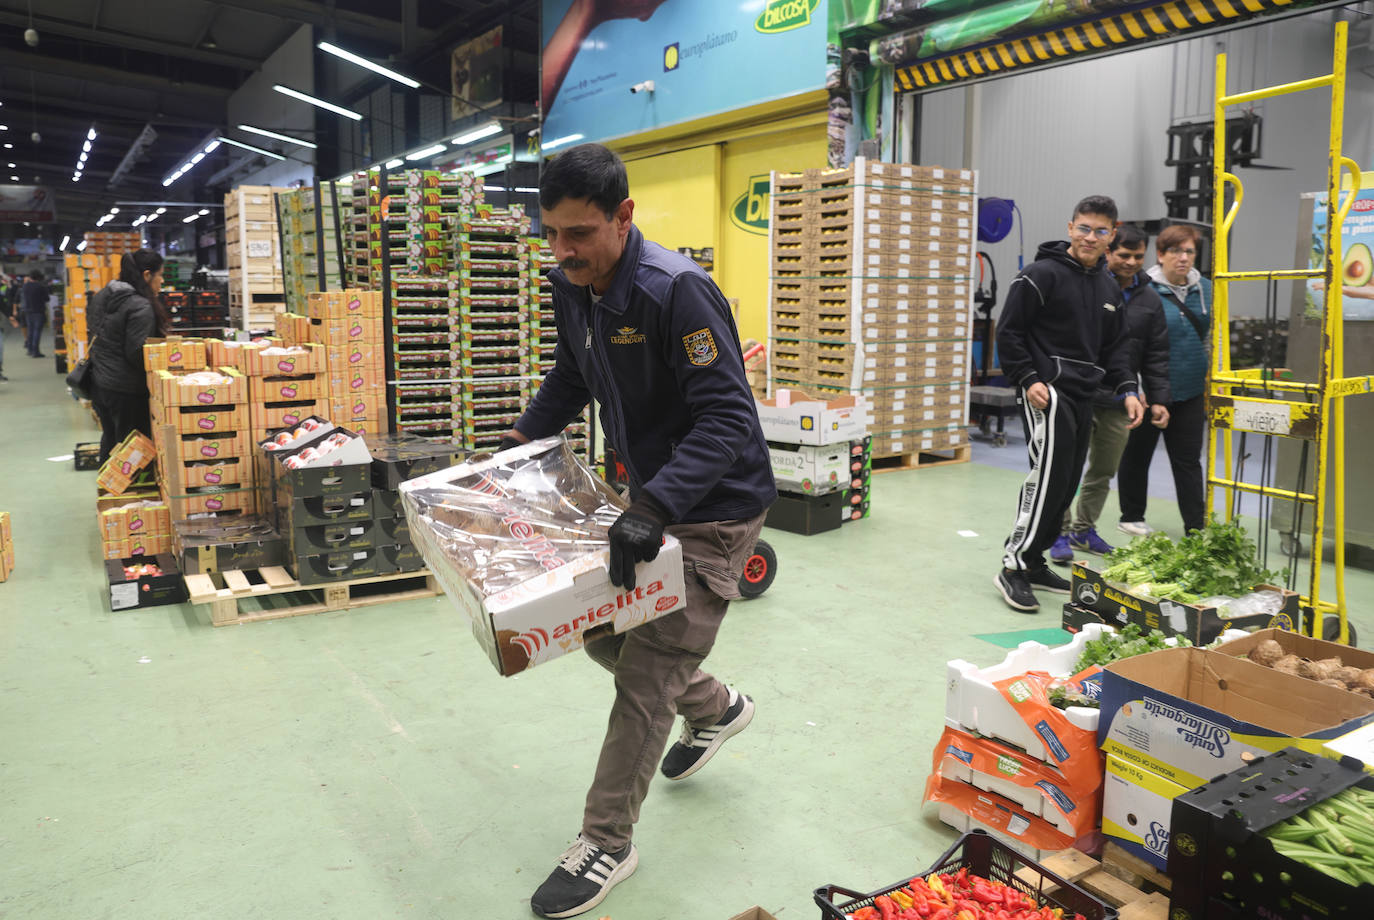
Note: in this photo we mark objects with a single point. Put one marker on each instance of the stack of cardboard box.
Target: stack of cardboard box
(256, 288)
(348, 324)
(286, 384)
(543, 332)
(203, 423)
(820, 453)
(133, 516)
(87, 273)
(870, 294)
(112, 243)
(6, 547)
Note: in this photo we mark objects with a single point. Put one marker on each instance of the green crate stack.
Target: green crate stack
(301, 242)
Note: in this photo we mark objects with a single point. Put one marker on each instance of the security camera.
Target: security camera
(646, 87)
(31, 37)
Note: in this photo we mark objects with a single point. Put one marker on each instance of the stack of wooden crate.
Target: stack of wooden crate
(257, 291)
(871, 293)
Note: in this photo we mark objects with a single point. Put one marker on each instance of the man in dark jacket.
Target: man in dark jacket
(646, 333)
(1147, 339)
(1059, 336)
(33, 301)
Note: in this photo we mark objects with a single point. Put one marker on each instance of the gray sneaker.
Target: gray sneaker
(1135, 528)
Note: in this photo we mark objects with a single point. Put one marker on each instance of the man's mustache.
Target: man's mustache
(573, 264)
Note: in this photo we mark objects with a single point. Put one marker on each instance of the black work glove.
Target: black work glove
(636, 537)
(507, 443)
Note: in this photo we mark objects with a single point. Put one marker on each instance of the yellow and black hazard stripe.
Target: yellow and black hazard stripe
(1113, 32)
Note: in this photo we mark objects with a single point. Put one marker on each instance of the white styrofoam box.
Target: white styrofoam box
(963, 823)
(1030, 799)
(974, 704)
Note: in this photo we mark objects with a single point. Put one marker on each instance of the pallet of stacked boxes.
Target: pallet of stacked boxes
(303, 240)
(202, 419)
(256, 288)
(492, 353)
(424, 330)
(396, 458)
(432, 199)
(348, 325)
(870, 294)
(543, 334)
(86, 274)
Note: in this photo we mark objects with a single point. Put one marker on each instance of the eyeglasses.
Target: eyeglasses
(1179, 251)
(1100, 232)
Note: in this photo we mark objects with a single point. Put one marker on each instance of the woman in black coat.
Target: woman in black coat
(124, 314)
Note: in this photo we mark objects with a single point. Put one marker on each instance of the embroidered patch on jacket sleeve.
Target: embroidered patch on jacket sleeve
(701, 347)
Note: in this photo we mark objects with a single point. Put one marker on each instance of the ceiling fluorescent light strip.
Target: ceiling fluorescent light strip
(251, 129)
(560, 141)
(426, 152)
(266, 153)
(364, 62)
(303, 97)
(477, 134)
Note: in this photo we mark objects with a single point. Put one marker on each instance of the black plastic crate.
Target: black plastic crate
(1223, 867)
(86, 456)
(985, 855)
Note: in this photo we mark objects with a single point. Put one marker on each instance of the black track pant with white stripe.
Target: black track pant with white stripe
(1057, 439)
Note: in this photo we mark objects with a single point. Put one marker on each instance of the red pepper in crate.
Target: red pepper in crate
(887, 908)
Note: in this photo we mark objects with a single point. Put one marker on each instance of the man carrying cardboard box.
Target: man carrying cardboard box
(1060, 334)
(648, 335)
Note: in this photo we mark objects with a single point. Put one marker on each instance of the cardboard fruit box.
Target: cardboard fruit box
(174, 354)
(127, 592)
(1190, 714)
(1117, 606)
(216, 545)
(174, 390)
(309, 361)
(551, 613)
(793, 417)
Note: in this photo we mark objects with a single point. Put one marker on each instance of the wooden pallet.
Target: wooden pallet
(1136, 889)
(277, 594)
(919, 460)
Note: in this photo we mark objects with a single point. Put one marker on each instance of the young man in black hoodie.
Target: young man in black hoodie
(1060, 336)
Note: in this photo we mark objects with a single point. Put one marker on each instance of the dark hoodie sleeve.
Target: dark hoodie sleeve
(1024, 300)
(1116, 347)
(1154, 361)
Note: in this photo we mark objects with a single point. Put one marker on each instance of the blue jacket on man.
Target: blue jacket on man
(659, 352)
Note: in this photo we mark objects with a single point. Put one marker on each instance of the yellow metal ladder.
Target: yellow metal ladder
(1314, 411)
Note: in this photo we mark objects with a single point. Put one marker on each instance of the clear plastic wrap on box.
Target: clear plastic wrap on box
(518, 541)
(499, 523)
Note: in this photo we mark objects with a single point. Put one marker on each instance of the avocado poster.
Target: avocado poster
(701, 56)
(1356, 265)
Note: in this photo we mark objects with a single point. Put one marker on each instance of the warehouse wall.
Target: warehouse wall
(1049, 138)
(256, 103)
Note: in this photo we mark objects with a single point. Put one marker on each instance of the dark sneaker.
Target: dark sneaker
(698, 745)
(1047, 580)
(1089, 542)
(1061, 553)
(585, 875)
(38, 354)
(1016, 590)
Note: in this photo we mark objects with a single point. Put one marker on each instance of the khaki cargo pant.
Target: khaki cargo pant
(658, 676)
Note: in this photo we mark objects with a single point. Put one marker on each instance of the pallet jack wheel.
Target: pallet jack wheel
(759, 570)
(1331, 630)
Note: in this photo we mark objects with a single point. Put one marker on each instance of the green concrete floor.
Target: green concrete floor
(371, 763)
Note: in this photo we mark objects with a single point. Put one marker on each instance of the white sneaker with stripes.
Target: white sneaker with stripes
(585, 875)
(698, 745)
